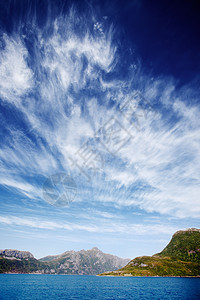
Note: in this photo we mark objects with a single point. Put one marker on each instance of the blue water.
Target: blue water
(15, 286)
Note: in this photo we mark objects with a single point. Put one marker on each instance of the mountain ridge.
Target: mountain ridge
(83, 262)
(16, 254)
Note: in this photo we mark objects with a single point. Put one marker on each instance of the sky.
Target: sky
(99, 125)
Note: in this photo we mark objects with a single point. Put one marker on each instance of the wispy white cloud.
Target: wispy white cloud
(111, 227)
(64, 99)
(16, 79)
(167, 161)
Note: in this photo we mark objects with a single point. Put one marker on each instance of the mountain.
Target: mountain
(15, 254)
(15, 261)
(84, 262)
(181, 257)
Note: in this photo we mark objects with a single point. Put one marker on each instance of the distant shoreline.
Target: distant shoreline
(148, 276)
(102, 275)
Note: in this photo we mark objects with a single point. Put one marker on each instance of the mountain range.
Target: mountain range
(181, 257)
(84, 262)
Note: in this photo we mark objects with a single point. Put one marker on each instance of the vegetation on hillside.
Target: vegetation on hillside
(181, 257)
(184, 245)
(31, 265)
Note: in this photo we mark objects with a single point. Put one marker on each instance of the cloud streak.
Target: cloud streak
(68, 88)
(137, 229)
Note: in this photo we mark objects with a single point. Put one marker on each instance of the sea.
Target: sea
(30, 286)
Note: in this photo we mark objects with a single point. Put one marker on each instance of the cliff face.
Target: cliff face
(15, 254)
(181, 257)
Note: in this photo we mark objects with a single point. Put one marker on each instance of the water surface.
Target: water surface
(25, 286)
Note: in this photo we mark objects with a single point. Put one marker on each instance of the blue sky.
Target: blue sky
(108, 94)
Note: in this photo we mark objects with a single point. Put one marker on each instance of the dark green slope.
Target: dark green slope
(184, 245)
(181, 257)
(30, 265)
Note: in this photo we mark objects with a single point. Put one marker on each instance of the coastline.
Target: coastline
(9, 273)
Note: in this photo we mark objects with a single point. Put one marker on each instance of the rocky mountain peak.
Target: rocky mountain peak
(11, 253)
(95, 249)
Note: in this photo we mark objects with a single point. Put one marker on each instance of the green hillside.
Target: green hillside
(181, 257)
(31, 265)
(184, 245)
